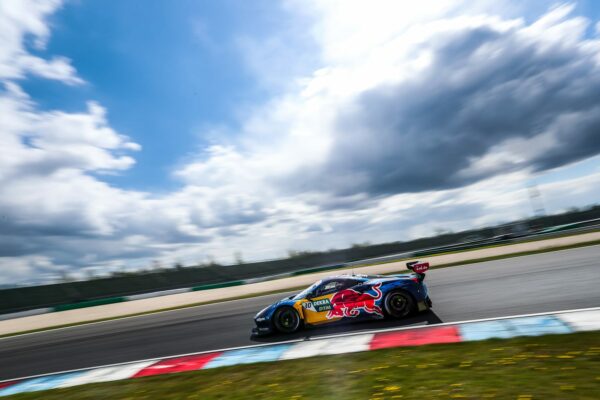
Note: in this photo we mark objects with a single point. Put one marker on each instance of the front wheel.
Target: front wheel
(286, 320)
(399, 304)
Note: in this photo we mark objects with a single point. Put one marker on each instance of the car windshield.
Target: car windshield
(303, 294)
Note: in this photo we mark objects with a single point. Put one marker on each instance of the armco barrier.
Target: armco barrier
(217, 285)
(89, 303)
(503, 328)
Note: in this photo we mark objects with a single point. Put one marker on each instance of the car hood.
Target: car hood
(268, 310)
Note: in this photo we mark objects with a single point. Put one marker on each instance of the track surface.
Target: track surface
(554, 281)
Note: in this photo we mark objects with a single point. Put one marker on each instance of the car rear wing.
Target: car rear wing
(419, 268)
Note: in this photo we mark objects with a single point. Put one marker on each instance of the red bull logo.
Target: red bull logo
(350, 303)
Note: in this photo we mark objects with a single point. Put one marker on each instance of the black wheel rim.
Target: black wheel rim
(398, 304)
(288, 320)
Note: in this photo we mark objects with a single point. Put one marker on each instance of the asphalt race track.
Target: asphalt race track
(567, 279)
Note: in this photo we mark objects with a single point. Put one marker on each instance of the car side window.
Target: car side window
(326, 288)
(348, 283)
(334, 286)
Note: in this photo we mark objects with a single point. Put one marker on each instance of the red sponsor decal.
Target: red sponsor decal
(420, 267)
(179, 364)
(349, 303)
(416, 337)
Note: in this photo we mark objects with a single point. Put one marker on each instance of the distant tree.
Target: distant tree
(440, 231)
(237, 258)
(299, 253)
(178, 266)
(65, 276)
(211, 261)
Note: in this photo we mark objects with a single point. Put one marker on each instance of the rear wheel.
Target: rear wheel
(399, 304)
(286, 320)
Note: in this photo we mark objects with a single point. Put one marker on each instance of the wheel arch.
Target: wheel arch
(291, 307)
(299, 309)
(402, 290)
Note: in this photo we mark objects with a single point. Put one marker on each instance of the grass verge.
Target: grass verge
(545, 367)
(469, 261)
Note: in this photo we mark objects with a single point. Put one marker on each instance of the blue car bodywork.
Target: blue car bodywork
(346, 298)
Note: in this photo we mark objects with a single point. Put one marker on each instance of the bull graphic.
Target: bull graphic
(349, 303)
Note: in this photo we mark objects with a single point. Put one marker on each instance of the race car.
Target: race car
(348, 298)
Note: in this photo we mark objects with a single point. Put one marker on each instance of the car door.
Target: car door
(318, 308)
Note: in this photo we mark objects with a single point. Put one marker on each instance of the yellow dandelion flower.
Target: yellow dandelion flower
(392, 388)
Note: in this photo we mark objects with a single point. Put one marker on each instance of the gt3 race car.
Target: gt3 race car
(348, 297)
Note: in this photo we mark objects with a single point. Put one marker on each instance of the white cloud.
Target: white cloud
(21, 20)
(270, 189)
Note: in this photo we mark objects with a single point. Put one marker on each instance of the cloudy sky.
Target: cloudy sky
(134, 132)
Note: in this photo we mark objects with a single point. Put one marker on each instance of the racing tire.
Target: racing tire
(399, 304)
(286, 320)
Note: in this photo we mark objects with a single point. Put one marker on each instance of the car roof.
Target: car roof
(355, 277)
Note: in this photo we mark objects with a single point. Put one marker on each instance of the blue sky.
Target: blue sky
(165, 70)
(137, 131)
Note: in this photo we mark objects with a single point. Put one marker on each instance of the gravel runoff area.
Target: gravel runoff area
(147, 305)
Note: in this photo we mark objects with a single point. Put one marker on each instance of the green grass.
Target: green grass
(546, 367)
(470, 261)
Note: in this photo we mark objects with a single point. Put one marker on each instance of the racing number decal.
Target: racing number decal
(318, 305)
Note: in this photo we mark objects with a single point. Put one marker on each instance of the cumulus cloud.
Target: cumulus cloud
(24, 21)
(434, 101)
(518, 95)
(417, 117)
